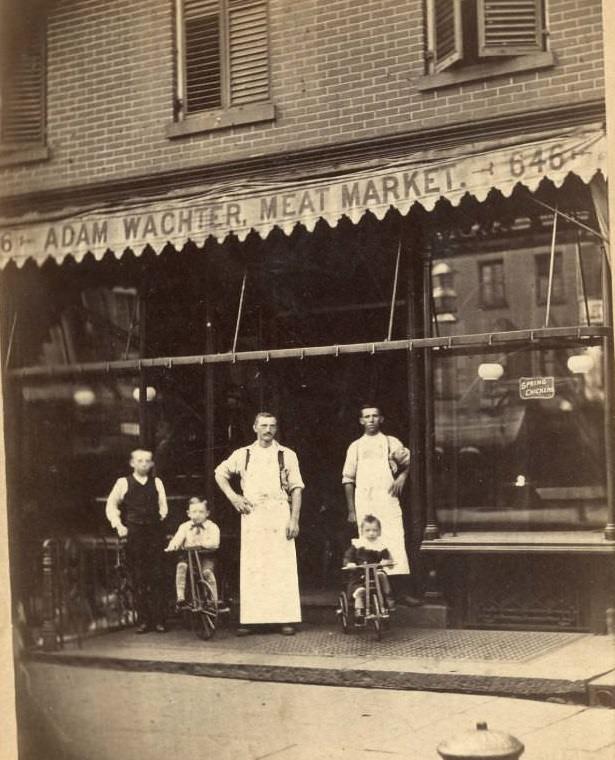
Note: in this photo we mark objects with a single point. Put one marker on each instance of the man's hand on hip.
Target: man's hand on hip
(122, 531)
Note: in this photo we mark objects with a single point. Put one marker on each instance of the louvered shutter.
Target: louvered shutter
(445, 33)
(202, 46)
(23, 91)
(509, 27)
(248, 56)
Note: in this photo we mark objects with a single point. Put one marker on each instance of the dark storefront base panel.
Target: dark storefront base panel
(533, 591)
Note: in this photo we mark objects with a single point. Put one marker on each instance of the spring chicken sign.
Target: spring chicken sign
(223, 209)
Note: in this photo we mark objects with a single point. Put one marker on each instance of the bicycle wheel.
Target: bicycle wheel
(207, 612)
(343, 612)
(377, 615)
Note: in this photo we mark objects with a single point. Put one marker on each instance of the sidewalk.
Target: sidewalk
(536, 665)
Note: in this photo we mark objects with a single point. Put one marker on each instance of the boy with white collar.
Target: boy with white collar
(144, 501)
(197, 532)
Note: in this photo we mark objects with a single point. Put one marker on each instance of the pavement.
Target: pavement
(76, 713)
(574, 668)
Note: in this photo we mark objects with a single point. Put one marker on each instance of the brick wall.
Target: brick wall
(341, 70)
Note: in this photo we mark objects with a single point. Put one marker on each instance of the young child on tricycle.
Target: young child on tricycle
(369, 587)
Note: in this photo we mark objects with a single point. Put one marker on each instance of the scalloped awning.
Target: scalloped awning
(225, 208)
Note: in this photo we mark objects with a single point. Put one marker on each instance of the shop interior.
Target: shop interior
(497, 461)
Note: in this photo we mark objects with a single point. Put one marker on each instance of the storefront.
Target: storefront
(466, 290)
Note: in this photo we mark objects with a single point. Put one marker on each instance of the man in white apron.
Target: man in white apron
(374, 474)
(270, 479)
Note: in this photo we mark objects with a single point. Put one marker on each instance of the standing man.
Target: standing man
(374, 474)
(145, 504)
(269, 505)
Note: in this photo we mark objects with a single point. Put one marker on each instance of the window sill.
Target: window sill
(222, 118)
(23, 155)
(486, 70)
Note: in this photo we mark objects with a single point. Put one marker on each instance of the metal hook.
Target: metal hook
(373, 351)
(234, 359)
(337, 351)
(267, 357)
(302, 354)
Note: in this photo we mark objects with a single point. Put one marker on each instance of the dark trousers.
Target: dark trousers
(145, 555)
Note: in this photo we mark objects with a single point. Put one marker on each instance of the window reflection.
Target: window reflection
(519, 454)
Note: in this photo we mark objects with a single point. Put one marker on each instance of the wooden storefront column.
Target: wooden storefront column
(431, 526)
(416, 397)
(608, 17)
(210, 420)
(608, 348)
(144, 433)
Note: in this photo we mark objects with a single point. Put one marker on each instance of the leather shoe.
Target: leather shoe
(287, 630)
(410, 601)
(243, 631)
(160, 628)
(143, 628)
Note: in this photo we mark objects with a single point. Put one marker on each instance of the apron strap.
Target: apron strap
(280, 464)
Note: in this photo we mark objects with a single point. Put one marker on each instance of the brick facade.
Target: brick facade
(341, 71)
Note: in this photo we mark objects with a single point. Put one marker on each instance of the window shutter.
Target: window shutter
(509, 27)
(23, 91)
(248, 51)
(446, 45)
(202, 41)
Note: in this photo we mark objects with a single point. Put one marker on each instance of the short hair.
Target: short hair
(371, 520)
(369, 406)
(134, 452)
(264, 414)
(198, 500)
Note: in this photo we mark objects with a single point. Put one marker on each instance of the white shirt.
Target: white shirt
(119, 491)
(192, 535)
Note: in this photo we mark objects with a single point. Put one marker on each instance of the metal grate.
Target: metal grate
(507, 646)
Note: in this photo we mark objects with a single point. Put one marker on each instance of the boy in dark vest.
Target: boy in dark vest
(144, 502)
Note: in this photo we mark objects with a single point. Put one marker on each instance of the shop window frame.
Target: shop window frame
(241, 74)
(492, 60)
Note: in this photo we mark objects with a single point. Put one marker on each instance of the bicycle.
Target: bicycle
(203, 605)
(377, 612)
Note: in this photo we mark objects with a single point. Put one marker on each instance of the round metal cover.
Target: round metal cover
(481, 744)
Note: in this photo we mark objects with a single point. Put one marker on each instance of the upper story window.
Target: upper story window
(472, 39)
(223, 64)
(492, 286)
(22, 87)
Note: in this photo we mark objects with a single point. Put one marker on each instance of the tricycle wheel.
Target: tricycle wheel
(343, 612)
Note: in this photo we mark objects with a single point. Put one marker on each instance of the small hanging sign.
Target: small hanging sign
(536, 387)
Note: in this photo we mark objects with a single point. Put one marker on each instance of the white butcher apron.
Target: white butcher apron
(372, 497)
(268, 582)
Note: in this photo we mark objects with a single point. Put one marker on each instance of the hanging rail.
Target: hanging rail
(468, 342)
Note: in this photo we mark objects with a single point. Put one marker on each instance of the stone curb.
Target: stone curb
(559, 690)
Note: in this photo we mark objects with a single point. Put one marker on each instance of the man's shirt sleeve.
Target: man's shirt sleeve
(399, 453)
(349, 472)
(231, 466)
(291, 463)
